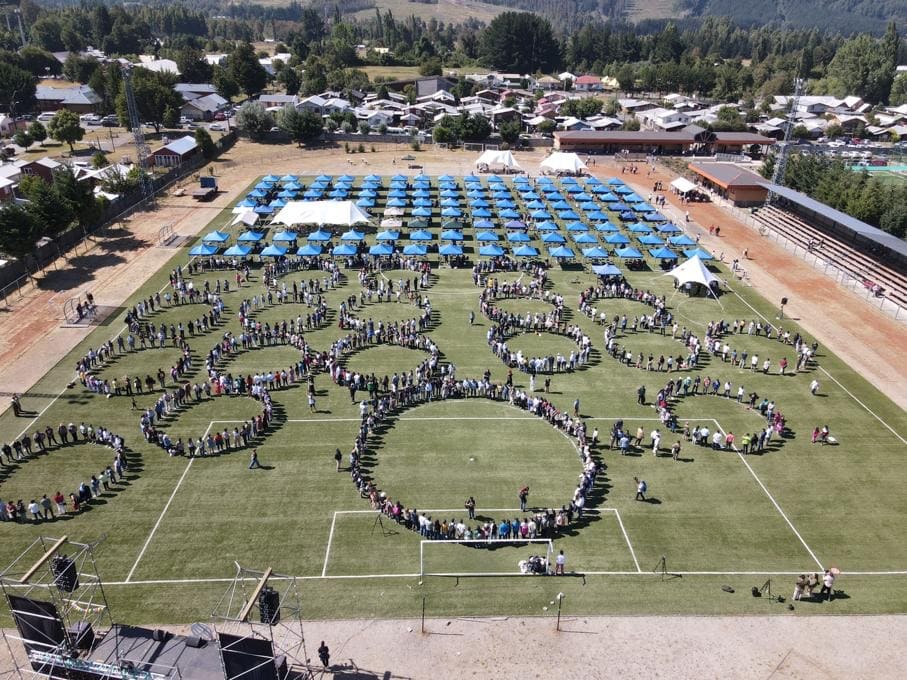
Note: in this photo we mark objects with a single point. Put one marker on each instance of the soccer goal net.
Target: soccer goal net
(483, 557)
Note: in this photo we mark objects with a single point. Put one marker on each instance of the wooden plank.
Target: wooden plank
(43, 559)
(247, 609)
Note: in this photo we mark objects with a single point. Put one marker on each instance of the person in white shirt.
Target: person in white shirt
(559, 562)
(656, 440)
(814, 386)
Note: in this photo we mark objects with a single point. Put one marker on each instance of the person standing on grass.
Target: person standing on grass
(524, 498)
(814, 387)
(641, 395)
(471, 507)
(338, 457)
(253, 463)
(641, 488)
(559, 563)
(828, 580)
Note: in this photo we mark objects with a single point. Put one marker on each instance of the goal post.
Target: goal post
(485, 557)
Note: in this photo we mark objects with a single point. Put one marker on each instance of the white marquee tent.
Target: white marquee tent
(561, 161)
(492, 157)
(683, 185)
(321, 212)
(248, 218)
(694, 271)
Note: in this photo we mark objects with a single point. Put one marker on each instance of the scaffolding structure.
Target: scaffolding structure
(240, 617)
(73, 605)
(135, 125)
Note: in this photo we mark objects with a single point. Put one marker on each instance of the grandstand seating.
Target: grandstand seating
(855, 262)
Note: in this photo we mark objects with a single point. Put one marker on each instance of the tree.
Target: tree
(154, 94)
(64, 127)
(171, 117)
(46, 206)
(205, 143)
(898, 94)
(631, 124)
(23, 139)
(77, 198)
(546, 127)
(99, 160)
(80, 69)
(800, 132)
(17, 88)
(226, 86)
(861, 67)
(37, 132)
(431, 67)
(289, 77)
(254, 119)
(364, 127)
(301, 126)
(510, 131)
(581, 108)
(243, 66)
(894, 220)
(520, 42)
(39, 62)
(19, 231)
(192, 65)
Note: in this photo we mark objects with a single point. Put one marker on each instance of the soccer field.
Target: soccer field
(174, 527)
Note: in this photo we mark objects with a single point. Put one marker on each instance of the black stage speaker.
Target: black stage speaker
(159, 635)
(66, 578)
(269, 606)
(248, 658)
(38, 622)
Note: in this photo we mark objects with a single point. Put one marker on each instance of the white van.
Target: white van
(46, 116)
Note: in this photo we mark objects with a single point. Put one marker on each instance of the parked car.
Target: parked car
(90, 118)
(216, 127)
(46, 116)
(220, 115)
(110, 121)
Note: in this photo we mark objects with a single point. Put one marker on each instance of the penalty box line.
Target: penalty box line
(595, 511)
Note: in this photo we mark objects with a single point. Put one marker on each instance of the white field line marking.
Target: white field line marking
(835, 380)
(851, 395)
(627, 539)
(772, 499)
(529, 417)
(163, 512)
(327, 551)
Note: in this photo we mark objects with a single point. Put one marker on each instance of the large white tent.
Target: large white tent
(694, 271)
(561, 161)
(321, 212)
(491, 158)
(249, 218)
(683, 185)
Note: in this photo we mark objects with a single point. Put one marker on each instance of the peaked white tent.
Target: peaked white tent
(248, 218)
(321, 212)
(683, 185)
(492, 157)
(561, 161)
(694, 271)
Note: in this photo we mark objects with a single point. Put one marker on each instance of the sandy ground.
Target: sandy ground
(33, 338)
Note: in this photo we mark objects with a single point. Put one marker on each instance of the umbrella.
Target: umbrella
(682, 240)
(553, 237)
(651, 240)
(285, 237)
(663, 253)
(274, 251)
(586, 237)
(525, 251)
(421, 235)
(319, 235)
(606, 270)
(595, 253)
(486, 236)
(308, 250)
(215, 237)
(450, 249)
(518, 237)
(238, 251)
(251, 236)
(561, 252)
(381, 249)
(415, 249)
(344, 250)
(352, 235)
(700, 253)
(491, 251)
(451, 212)
(616, 239)
(388, 235)
(628, 253)
(203, 250)
(452, 235)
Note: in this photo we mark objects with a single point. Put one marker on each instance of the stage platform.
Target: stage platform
(147, 654)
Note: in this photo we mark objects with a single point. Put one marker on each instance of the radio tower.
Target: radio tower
(781, 158)
(135, 124)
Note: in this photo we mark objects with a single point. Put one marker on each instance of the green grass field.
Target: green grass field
(173, 531)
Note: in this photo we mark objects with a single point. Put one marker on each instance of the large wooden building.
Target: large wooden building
(738, 185)
(691, 139)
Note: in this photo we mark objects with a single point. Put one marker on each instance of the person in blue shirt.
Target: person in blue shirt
(504, 529)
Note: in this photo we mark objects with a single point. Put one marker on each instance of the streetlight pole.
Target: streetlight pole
(560, 600)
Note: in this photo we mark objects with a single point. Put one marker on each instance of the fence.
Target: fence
(16, 278)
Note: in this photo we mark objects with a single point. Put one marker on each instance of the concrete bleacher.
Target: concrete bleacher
(858, 264)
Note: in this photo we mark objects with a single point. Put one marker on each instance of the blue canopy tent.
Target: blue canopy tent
(215, 237)
(682, 240)
(618, 206)
(366, 202)
(415, 249)
(616, 239)
(651, 240)
(367, 193)
(257, 193)
(535, 205)
(270, 178)
(247, 203)
(422, 203)
(451, 235)
(338, 194)
(639, 228)
(451, 212)
(421, 235)
(567, 215)
(277, 203)
(582, 198)
(700, 253)
(483, 224)
(668, 228)
(589, 206)
(450, 203)
(263, 209)
(491, 251)
(573, 189)
(553, 237)
(352, 235)
(560, 205)
(450, 249)
(292, 186)
(530, 195)
(546, 226)
(484, 236)
(253, 236)
(606, 227)
(288, 178)
(663, 253)
(606, 270)
(285, 237)
(561, 252)
(287, 195)
(654, 217)
(627, 216)
(516, 225)
(504, 204)
(396, 203)
(422, 212)
(597, 216)
(577, 226)
(387, 235)
(381, 250)
(238, 251)
(525, 251)
(396, 193)
(418, 223)
(541, 215)
(273, 251)
(508, 214)
(481, 212)
(518, 237)
(373, 178)
(628, 253)
(203, 250)
(309, 250)
(623, 189)
(450, 193)
(479, 203)
(585, 237)
(264, 186)
(595, 253)
(633, 198)
(344, 250)
(312, 194)
(320, 235)
(642, 207)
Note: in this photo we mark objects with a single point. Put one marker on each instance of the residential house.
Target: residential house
(203, 108)
(193, 90)
(849, 123)
(173, 154)
(604, 123)
(548, 83)
(572, 123)
(501, 114)
(271, 101)
(588, 83)
(313, 103)
(635, 106)
(9, 179)
(663, 119)
(336, 105)
(42, 167)
(80, 99)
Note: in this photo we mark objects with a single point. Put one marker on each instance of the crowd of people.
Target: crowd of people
(48, 507)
